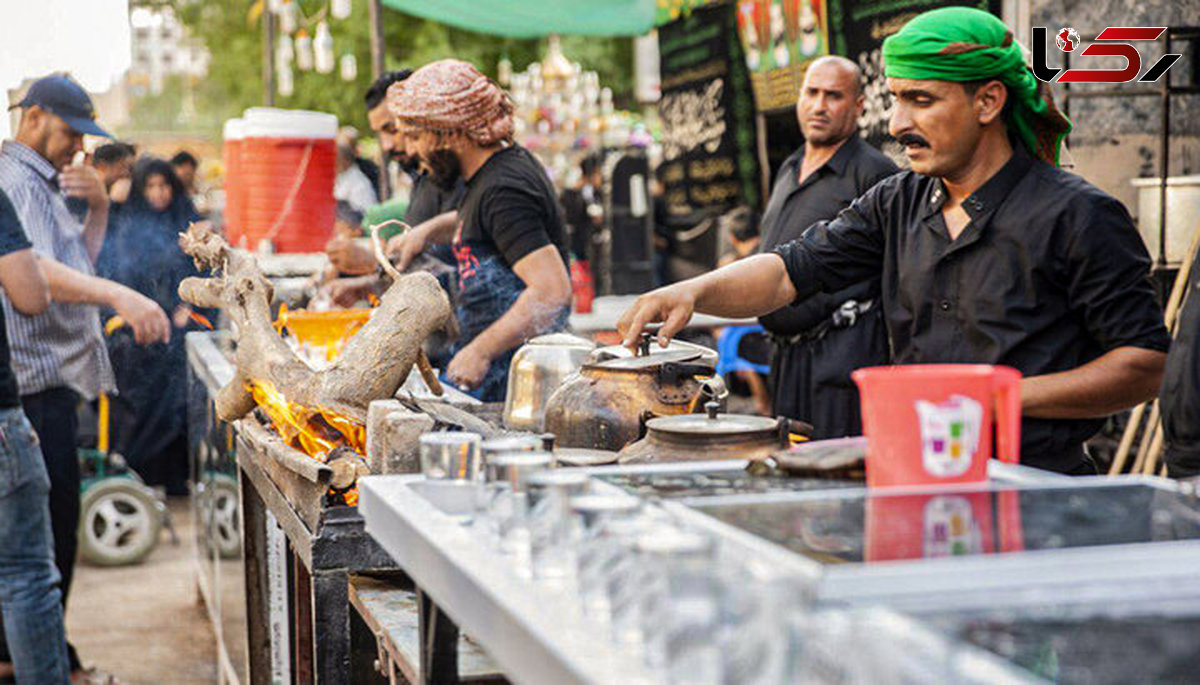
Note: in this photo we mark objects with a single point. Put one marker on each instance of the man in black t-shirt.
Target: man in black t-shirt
(30, 598)
(509, 241)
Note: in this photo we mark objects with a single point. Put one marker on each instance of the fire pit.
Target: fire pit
(300, 539)
(298, 407)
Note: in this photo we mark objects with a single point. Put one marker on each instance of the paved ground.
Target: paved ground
(145, 623)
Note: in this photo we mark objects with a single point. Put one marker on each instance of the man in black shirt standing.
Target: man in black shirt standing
(509, 240)
(818, 342)
(989, 252)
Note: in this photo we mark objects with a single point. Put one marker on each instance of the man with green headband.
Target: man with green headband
(989, 253)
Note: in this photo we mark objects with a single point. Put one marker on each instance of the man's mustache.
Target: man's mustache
(907, 139)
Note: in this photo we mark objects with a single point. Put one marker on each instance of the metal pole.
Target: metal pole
(375, 10)
(1164, 155)
(268, 21)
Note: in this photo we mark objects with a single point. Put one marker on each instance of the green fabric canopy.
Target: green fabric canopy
(535, 18)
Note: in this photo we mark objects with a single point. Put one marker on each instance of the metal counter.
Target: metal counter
(530, 631)
(947, 557)
(536, 634)
(216, 506)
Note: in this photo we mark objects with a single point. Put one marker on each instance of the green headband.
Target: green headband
(964, 44)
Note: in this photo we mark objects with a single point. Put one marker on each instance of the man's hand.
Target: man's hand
(468, 368)
(148, 320)
(120, 190)
(84, 182)
(745, 289)
(349, 257)
(347, 292)
(181, 316)
(671, 306)
(404, 248)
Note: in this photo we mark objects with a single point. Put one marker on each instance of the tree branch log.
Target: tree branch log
(373, 363)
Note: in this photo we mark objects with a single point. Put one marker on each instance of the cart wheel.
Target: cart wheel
(226, 531)
(120, 522)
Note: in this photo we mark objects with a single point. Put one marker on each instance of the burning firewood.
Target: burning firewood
(347, 467)
(372, 365)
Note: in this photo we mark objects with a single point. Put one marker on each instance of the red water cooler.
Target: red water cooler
(230, 153)
(285, 169)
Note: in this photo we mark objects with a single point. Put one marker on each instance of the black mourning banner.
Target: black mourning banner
(857, 29)
(707, 113)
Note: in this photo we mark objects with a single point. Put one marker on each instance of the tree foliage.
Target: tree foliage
(232, 32)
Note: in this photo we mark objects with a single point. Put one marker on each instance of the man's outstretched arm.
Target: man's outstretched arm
(747, 288)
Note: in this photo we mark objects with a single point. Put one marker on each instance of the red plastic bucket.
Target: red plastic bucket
(932, 423)
(286, 168)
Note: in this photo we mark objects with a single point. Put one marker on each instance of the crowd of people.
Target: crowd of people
(81, 234)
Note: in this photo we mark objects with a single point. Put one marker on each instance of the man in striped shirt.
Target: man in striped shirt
(59, 356)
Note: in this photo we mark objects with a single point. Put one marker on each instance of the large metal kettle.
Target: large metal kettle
(538, 368)
(605, 404)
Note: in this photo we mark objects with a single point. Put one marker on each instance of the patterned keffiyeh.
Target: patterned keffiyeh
(452, 97)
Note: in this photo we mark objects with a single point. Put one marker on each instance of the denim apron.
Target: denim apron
(487, 288)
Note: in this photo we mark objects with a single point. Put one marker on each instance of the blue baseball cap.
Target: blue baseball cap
(60, 95)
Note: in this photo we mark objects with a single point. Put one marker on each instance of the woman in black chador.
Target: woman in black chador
(141, 250)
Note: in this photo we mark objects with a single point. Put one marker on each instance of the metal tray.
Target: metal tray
(966, 544)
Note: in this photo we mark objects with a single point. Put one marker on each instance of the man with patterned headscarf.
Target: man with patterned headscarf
(509, 240)
(989, 252)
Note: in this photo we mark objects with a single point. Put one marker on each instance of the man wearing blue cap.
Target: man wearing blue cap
(59, 357)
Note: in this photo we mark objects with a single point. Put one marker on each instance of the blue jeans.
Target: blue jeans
(29, 596)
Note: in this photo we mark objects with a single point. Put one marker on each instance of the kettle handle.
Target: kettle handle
(1007, 390)
(643, 417)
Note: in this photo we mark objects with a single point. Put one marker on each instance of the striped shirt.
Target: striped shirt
(64, 346)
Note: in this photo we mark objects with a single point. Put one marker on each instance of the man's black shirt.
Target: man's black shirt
(1049, 274)
(794, 206)
(12, 239)
(510, 208)
(428, 200)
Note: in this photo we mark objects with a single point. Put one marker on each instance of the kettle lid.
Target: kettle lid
(561, 340)
(651, 361)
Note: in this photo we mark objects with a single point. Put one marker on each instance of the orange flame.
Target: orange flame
(316, 432)
(372, 299)
(313, 430)
(281, 319)
(200, 319)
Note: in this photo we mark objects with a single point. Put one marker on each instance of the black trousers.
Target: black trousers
(810, 379)
(52, 413)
